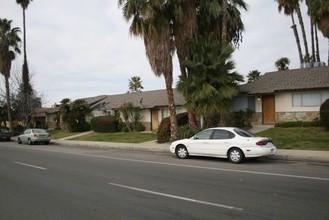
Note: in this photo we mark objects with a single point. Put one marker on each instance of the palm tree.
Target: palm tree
(288, 10)
(27, 88)
(149, 21)
(212, 82)
(253, 75)
(319, 12)
(135, 84)
(232, 25)
(213, 18)
(64, 108)
(194, 19)
(282, 63)
(9, 46)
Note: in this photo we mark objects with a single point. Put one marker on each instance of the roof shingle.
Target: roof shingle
(297, 79)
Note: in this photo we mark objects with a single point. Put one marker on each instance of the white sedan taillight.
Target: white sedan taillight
(263, 142)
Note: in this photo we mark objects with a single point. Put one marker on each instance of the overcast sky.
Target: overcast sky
(82, 48)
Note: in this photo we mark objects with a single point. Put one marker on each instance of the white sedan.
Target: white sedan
(225, 142)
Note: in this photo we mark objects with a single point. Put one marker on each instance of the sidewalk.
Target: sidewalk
(152, 146)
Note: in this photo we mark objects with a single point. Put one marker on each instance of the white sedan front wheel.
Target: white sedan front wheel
(181, 152)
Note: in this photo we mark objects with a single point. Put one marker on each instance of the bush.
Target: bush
(19, 129)
(289, 124)
(79, 127)
(185, 132)
(164, 128)
(324, 114)
(240, 119)
(104, 124)
(139, 126)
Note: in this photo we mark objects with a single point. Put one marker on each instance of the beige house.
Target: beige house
(152, 104)
(290, 95)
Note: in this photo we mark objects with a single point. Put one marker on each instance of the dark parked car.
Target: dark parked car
(34, 135)
(5, 135)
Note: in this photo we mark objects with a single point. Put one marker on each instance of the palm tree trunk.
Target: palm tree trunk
(27, 89)
(297, 40)
(300, 18)
(317, 44)
(10, 119)
(185, 32)
(312, 40)
(224, 23)
(171, 107)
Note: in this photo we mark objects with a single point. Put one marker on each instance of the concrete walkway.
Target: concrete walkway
(153, 146)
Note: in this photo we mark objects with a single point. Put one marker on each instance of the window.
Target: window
(203, 135)
(222, 134)
(165, 113)
(306, 99)
(325, 96)
(243, 133)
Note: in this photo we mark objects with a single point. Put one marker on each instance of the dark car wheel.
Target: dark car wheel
(30, 142)
(181, 152)
(19, 141)
(235, 155)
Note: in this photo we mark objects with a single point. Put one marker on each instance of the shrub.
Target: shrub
(324, 114)
(164, 128)
(104, 124)
(185, 132)
(240, 119)
(19, 129)
(79, 127)
(289, 124)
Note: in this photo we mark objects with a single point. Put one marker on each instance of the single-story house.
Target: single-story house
(39, 118)
(153, 105)
(289, 95)
(53, 118)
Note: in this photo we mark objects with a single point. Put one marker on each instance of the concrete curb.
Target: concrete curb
(284, 155)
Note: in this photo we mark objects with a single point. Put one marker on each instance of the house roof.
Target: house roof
(40, 112)
(297, 79)
(147, 99)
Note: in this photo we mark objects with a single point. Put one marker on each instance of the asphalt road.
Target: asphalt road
(55, 182)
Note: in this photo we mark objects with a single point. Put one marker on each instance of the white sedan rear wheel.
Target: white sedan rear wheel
(235, 155)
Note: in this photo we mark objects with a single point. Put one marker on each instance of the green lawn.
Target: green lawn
(58, 134)
(299, 138)
(120, 137)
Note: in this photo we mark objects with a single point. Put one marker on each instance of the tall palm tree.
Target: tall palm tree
(288, 10)
(212, 82)
(149, 21)
(211, 20)
(282, 63)
(319, 11)
(232, 25)
(194, 19)
(135, 84)
(9, 46)
(253, 75)
(27, 88)
(185, 28)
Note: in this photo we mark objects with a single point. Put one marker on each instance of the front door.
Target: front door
(268, 106)
(155, 120)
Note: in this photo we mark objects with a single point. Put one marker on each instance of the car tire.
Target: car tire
(235, 155)
(181, 152)
(19, 141)
(47, 143)
(30, 142)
